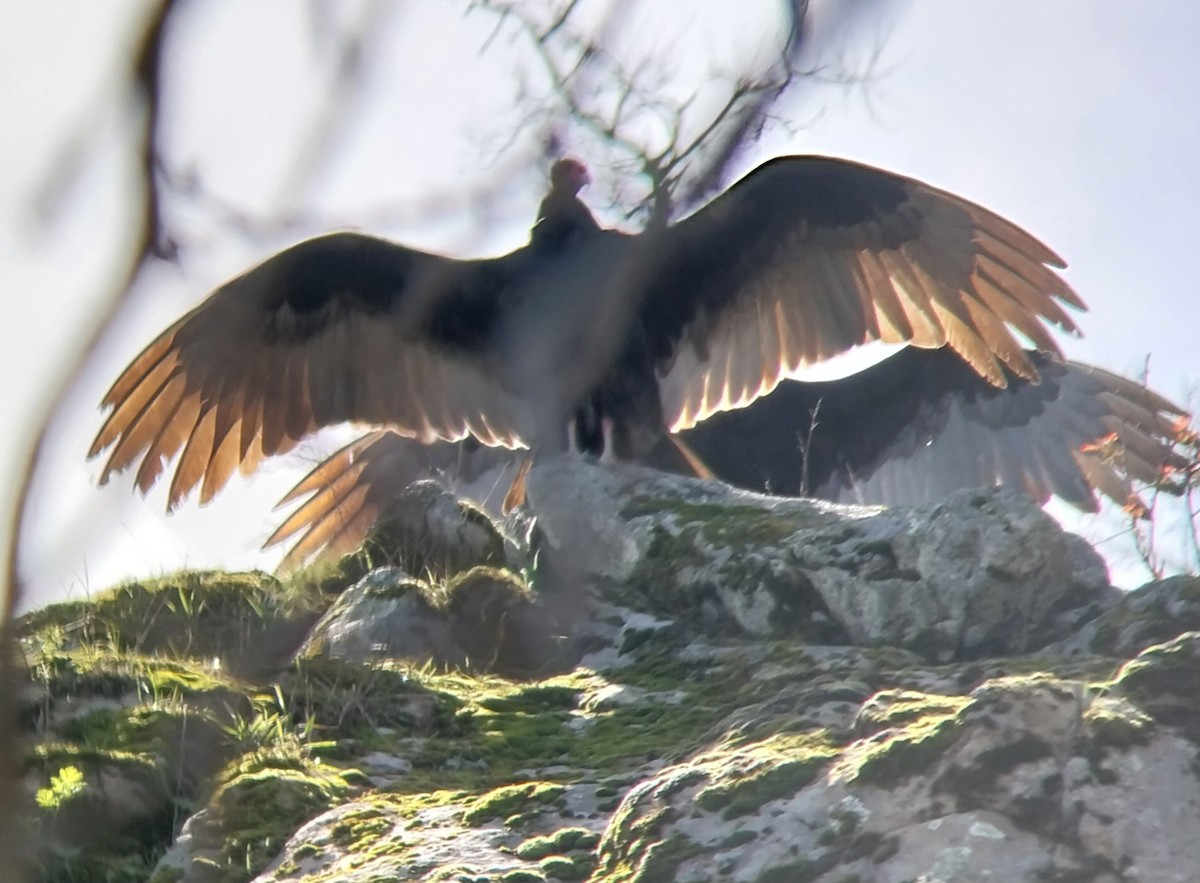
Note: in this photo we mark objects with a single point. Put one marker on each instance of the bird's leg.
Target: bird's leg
(608, 455)
(693, 460)
(516, 491)
(573, 444)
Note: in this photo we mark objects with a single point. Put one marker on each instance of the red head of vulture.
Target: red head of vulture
(588, 336)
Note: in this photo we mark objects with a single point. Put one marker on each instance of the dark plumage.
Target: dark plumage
(620, 336)
(921, 424)
(910, 429)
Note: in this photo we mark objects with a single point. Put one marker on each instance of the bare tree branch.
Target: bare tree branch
(146, 82)
(591, 91)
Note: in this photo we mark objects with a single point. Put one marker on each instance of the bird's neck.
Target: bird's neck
(563, 220)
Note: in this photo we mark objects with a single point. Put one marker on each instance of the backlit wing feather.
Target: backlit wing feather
(807, 257)
(339, 328)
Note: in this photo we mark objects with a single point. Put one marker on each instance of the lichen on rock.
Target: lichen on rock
(686, 683)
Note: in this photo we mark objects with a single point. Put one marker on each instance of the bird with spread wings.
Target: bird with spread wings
(609, 343)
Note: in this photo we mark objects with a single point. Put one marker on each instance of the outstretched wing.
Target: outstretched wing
(809, 256)
(922, 424)
(346, 494)
(340, 327)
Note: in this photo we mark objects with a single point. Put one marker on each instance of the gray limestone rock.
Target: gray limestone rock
(978, 574)
(706, 685)
(483, 618)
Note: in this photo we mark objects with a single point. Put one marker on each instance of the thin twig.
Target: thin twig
(150, 243)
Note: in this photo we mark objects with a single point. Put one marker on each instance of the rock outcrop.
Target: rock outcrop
(664, 680)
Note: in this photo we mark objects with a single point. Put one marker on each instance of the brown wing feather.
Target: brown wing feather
(337, 530)
(848, 254)
(323, 332)
(343, 472)
(348, 491)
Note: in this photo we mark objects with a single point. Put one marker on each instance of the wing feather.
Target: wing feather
(328, 500)
(890, 316)
(143, 388)
(1011, 313)
(348, 515)
(155, 358)
(922, 423)
(275, 404)
(849, 254)
(224, 460)
(189, 471)
(928, 332)
(162, 406)
(341, 327)
(160, 449)
(349, 490)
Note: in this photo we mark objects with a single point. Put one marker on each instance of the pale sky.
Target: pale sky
(1076, 119)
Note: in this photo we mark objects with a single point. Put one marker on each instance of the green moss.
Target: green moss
(1164, 680)
(306, 850)
(357, 699)
(501, 727)
(1116, 725)
(409, 806)
(193, 614)
(797, 871)
(521, 876)
(559, 867)
(473, 740)
(898, 752)
(660, 861)
(509, 799)
(151, 731)
(898, 708)
(631, 735)
(47, 755)
(356, 831)
(535, 698)
(560, 842)
(101, 671)
(634, 848)
(257, 810)
(1079, 668)
(753, 774)
(738, 838)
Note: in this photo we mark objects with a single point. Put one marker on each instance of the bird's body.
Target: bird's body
(621, 338)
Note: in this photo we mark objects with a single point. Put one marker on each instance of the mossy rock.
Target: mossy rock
(1164, 681)
(511, 800)
(254, 812)
(250, 622)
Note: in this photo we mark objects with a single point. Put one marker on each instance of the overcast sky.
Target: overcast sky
(1076, 119)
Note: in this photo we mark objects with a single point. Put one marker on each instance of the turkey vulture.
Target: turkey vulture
(910, 429)
(585, 335)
